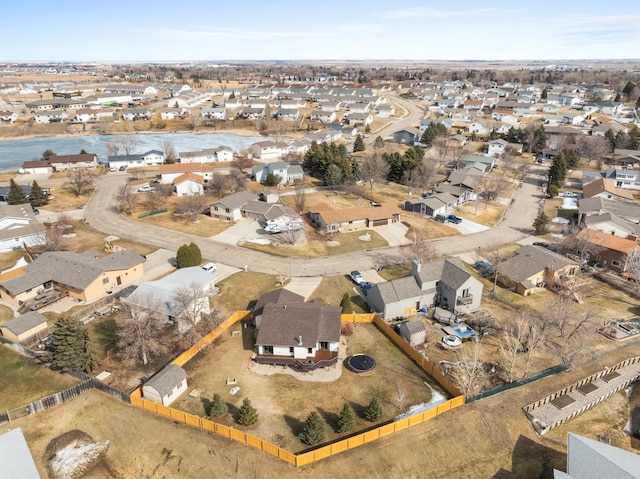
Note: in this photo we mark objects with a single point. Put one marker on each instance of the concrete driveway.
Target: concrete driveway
(304, 286)
(158, 263)
(468, 227)
(394, 234)
(244, 229)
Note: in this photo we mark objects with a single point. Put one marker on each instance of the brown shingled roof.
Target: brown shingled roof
(331, 215)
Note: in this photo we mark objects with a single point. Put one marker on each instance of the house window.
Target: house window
(290, 349)
(267, 349)
(105, 280)
(227, 210)
(309, 350)
(170, 393)
(465, 293)
(324, 345)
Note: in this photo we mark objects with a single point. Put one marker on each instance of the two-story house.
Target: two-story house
(286, 172)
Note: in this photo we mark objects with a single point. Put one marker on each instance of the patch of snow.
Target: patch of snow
(19, 264)
(76, 458)
(570, 202)
(365, 237)
(558, 219)
(333, 243)
(258, 241)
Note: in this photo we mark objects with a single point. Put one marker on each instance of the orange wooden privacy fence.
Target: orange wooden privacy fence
(323, 452)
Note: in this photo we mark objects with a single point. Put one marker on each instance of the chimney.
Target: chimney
(299, 340)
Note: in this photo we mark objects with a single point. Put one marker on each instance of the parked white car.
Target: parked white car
(209, 267)
(145, 189)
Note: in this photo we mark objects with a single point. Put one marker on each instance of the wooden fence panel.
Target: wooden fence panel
(322, 453)
(338, 447)
(288, 457)
(223, 430)
(372, 435)
(193, 420)
(303, 459)
(237, 435)
(254, 441)
(401, 424)
(415, 420)
(386, 430)
(270, 448)
(355, 441)
(208, 425)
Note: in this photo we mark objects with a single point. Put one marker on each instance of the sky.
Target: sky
(218, 30)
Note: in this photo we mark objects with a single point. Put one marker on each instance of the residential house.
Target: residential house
(330, 219)
(386, 111)
(189, 99)
(174, 113)
(84, 277)
(606, 189)
(468, 177)
(625, 158)
(25, 327)
(269, 150)
(207, 155)
(234, 103)
(407, 136)
(163, 295)
(280, 296)
(497, 147)
(620, 218)
(15, 457)
(286, 172)
(134, 160)
(606, 250)
(268, 213)
(169, 173)
(324, 136)
(134, 114)
(601, 129)
(305, 336)
(359, 107)
(229, 208)
(35, 167)
(19, 228)
(445, 283)
(589, 459)
(533, 268)
(109, 99)
(300, 146)
(431, 206)
(473, 105)
(624, 178)
(287, 114)
(251, 114)
(213, 113)
(8, 117)
(358, 118)
(479, 128)
(189, 184)
(325, 116)
(90, 115)
(166, 386)
(73, 162)
(51, 116)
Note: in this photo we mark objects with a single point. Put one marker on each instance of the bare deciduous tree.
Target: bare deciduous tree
(593, 149)
(192, 206)
(441, 149)
(140, 327)
(421, 248)
(373, 169)
(299, 197)
(422, 176)
(170, 154)
(154, 200)
(218, 184)
(113, 148)
(513, 335)
(127, 142)
(242, 163)
(127, 199)
(468, 371)
(401, 390)
(237, 179)
(164, 189)
(193, 312)
(80, 181)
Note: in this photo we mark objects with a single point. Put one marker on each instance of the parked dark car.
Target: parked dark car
(454, 219)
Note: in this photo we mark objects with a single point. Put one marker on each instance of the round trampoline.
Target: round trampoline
(360, 363)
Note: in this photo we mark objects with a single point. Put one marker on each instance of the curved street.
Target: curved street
(101, 213)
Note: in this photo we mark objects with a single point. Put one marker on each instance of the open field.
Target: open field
(23, 381)
(284, 402)
(87, 238)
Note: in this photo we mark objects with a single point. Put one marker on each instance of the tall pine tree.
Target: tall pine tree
(347, 419)
(16, 194)
(373, 412)
(358, 145)
(71, 346)
(247, 414)
(314, 430)
(37, 197)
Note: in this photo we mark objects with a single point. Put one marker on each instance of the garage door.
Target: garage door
(380, 222)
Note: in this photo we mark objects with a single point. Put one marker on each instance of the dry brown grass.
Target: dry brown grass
(9, 259)
(89, 239)
(487, 214)
(252, 285)
(331, 290)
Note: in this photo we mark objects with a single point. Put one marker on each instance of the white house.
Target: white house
(386, 111)
(358, 118)
(134, 114)
(208, 155)
(50, 116)
(150, 158)
(323, 116)
(90, 115)
(479, 128)
(166, 386)
(19, 227)
(8, 116)
(174, 113)
(269, 150)
(73, 162)
(287, 173)
(213, 113)
(169, 173)
(189, 184)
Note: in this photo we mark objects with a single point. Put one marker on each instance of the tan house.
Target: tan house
(22, 328)
(168, 173)
(73, 162)
(84, 277)
(331, 219)
(533, 268)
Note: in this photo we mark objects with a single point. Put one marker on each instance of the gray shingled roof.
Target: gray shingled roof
(167, 379)
(282, 325)
(21, 212)
(24, 323)
(530, 260)
(277, 296)
(398, 289)
(236, 200)
(412, 327)
(15, 457)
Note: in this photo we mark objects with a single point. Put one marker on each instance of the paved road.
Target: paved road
(411, 119)
(101, 214)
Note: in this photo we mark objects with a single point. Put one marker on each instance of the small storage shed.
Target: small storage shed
(24, 327)
(166, 386)
(413, 332)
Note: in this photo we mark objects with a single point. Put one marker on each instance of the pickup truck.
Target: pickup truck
(356, 277)
(454, 219)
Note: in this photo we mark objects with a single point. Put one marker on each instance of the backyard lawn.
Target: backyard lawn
(284, 402)
(23, 381)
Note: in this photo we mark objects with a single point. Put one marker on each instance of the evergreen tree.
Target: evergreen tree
(16, 194)
(541, 224)
(188, 255)
(611, 136)
(347, 419)
(333, 175)
(558, 170)
(314, 430)
(247, 415)
(434, 130)
(48, 154)
(539, 140)
(37, 197)
(358, 145)
(347, 307)
(71, 346)
(378, 143)
(373, 412)
(218, 406)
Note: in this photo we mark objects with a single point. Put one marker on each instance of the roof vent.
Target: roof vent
(299, 340)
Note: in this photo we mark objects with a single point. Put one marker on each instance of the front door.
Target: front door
(118, 281)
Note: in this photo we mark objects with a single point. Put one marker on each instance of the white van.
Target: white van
(209, 267)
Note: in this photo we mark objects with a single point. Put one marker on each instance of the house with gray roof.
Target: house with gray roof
(149, 158)
(620, 218)
(445, 283)
(163, 294)
(413, 332)
(166, 386)
(25, 327)
(589, 459)
(431, 206)
(287, 172)
(84, 277)
(19, 227)
(15, 457)
(535, 267)
(305, 336)
(229, 208)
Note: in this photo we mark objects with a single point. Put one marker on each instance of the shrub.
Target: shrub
(373, 412)
(188, 255)
(247, 415)
(218, 406)
(314, 430)
(347, 307)
(347, 419)
(346, 329)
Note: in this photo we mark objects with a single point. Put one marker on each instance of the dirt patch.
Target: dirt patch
(72, 454)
